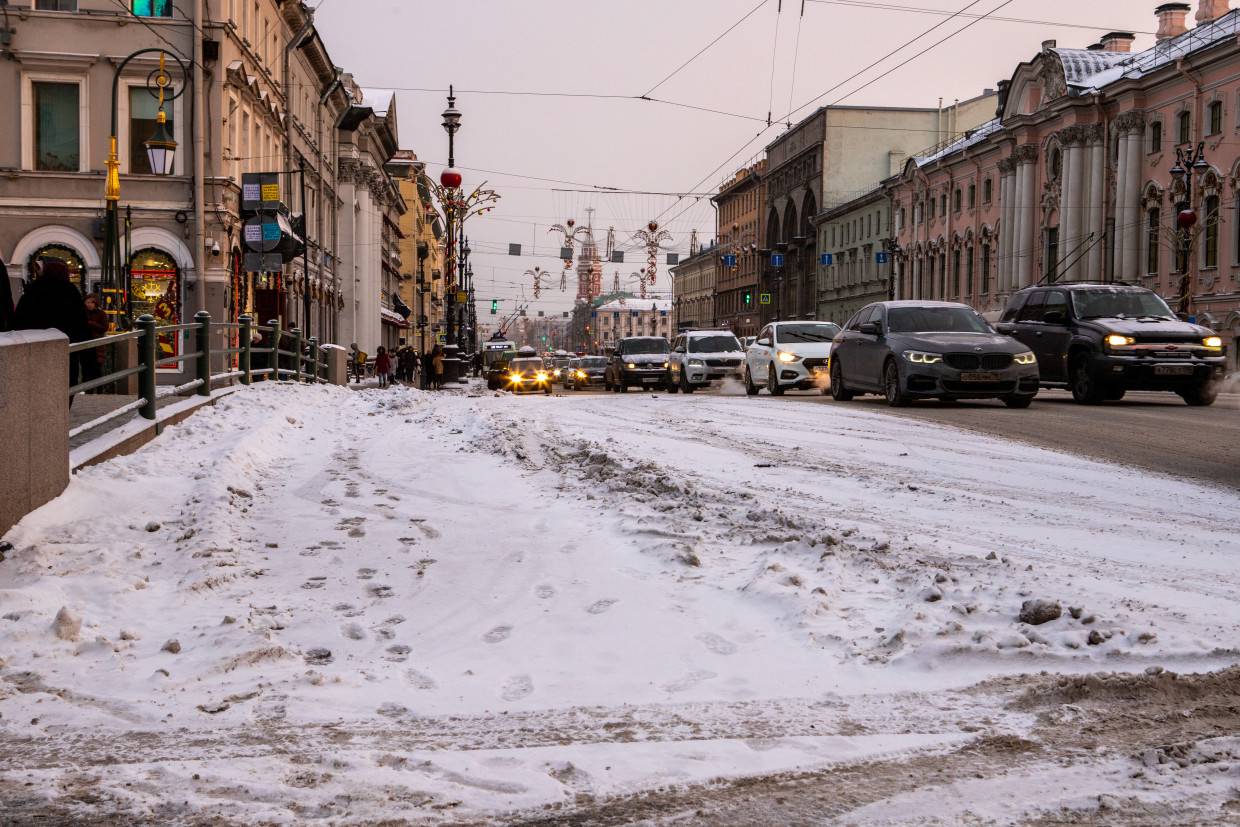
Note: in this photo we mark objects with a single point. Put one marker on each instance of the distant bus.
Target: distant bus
(496, 354)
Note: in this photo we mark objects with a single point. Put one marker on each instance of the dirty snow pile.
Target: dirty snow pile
(316, 603)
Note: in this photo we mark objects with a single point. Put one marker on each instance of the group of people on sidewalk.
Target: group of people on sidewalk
(402, 365)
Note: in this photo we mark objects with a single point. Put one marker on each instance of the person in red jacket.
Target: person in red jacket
(383, 367)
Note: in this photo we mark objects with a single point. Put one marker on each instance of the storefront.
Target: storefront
(155, 288)
(72, 259)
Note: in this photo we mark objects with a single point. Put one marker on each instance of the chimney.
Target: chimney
(1171, 17)
(1003, 96)
(1118, 41)
(1210, 10)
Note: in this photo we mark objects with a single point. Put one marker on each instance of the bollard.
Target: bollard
(146, 353)
(314, 360)
(296, 331)
(247, 333)
(202, 339)
(276, 335)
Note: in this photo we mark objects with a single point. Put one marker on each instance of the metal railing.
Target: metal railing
(305, 362)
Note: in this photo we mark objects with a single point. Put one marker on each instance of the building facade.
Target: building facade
(629, 316)
(693, 289)
(831, 157)
(1073, 180)
(421, 250)
(741, 209)
(856, 237)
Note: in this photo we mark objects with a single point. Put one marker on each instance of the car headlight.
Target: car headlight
(921, 358)
(1026, 358)
(514, 377)
(696, 363)
(555, 372)
(1213, 342)
(1118, 340)
(631, 365)
(665, 364)
(787, 357)
(542, 377)
(581, 374)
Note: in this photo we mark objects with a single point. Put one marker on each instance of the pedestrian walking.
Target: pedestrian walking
(52, 301)
(357, 361)
(6, 300)
(383, 367)
(96, 328)
(407, 362)
(477, 364)
(437, 367)
(428, 370)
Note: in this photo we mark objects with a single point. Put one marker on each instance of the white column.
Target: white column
(1132, 226)
(915, 285)
(1020, 252)
(1003, 263)
(1070, 211)
(1121, 209)
(1097, 213)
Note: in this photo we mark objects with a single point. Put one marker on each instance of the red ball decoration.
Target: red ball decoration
(450, 178)
(1187, 218)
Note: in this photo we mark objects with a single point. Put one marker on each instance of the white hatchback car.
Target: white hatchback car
(790, 355)
(700, 357)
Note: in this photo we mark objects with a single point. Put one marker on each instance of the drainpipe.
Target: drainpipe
(199, 186)
(295, 43)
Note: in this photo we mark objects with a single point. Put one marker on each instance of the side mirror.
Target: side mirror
(1006, 328)
(763, 342)
(1054, 317)
(871, 329)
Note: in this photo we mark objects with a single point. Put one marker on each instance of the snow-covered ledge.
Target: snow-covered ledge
(34, 416)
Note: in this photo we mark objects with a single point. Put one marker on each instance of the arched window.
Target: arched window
(1054, 164)
(77, 268)
(155, 288)
(968, 273)
(1153, 224)
(1209, 247)
(985, 269)
(1186, 127)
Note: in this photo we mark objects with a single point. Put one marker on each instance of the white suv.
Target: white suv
(699, 357)
(790, 355)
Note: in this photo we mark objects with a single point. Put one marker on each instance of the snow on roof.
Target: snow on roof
(635, 304)
(378, 99)
(1087, 71)
(975, 136)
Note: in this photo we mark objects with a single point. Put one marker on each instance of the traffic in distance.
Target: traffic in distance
(1097, 340)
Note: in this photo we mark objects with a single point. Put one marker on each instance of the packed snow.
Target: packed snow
(309, 602)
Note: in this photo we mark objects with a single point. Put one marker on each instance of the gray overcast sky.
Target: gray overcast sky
(624, 47)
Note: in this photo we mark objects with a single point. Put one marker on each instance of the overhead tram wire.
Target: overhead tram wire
(865, 4)
(705, 49)
(796, 55)
(779, 11)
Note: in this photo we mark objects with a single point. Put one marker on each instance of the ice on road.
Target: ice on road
(314, 603)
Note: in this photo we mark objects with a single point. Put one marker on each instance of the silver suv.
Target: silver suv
(700, 357)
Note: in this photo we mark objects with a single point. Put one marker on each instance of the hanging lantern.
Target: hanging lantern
(161, 149)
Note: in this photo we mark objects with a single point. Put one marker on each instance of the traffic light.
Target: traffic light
(494, 306)
(748, 298)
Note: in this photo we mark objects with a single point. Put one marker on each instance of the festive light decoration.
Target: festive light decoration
(652, 239)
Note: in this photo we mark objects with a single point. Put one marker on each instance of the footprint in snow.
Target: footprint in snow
(392, 710)
(398, 653)
(421, 680)
(544, 591)
(716, 644)
(315, 583)
(498, 634)
(318, 657)
(353, 631)
(430, 532)
(365, 574)
(688, 681)
(517, 687)
(381, 591)
(600, 606)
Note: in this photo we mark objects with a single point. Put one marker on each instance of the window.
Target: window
(943, 204)
(57, 126)
(1032, 311)
(1153, 224)
(1054, 164)
(955, 285)
(1209, 250)
(988, 191)
(957, 200)
(71, 258)
(930, 208)
(152, 8)
(55, 5)
(143, 109)
(985, 268)
(1186, 128)
(968, 273)
(1056, 302)
(1156, 136)
(1216, 117)
(972, 196)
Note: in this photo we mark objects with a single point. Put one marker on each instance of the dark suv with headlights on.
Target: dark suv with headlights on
(637, 360)
(1101, 340)
(907, 350)
(585, 372)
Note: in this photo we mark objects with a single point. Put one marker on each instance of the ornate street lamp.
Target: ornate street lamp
(1188, 163)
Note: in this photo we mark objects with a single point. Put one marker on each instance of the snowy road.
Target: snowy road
(310, 604)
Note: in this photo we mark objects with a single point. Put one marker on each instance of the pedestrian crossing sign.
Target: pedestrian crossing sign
(764, 298)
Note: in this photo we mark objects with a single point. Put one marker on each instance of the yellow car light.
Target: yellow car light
(542, 377)
(1213, 342)
(1116, 340)
(514, 378)
(631, 365)
(581, 374)
(1026, 358)
(555, 372)
(787, 358)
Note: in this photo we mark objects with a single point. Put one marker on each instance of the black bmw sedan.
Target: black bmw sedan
(906, 350)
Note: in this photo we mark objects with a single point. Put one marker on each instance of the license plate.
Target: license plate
(650, 380)
(980, 377)
(1173, 370)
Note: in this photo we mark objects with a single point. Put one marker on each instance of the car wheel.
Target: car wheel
(1086, 390)
(1115, 394)
(1200, 396)
(838, 392)
(897, 396)
(1018, 401)
(772, 383)
(750, 388)
(547, 391)
(684, 384)
(669, 384)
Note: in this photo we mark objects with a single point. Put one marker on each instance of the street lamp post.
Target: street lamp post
(450, 180)
(161, 155)
(1188, 162)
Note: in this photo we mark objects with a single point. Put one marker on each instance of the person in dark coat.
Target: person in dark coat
(428, 370)
(52, 301)
(96, 328)
(6, 300)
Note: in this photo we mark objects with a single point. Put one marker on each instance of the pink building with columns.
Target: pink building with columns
(1072, 181)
